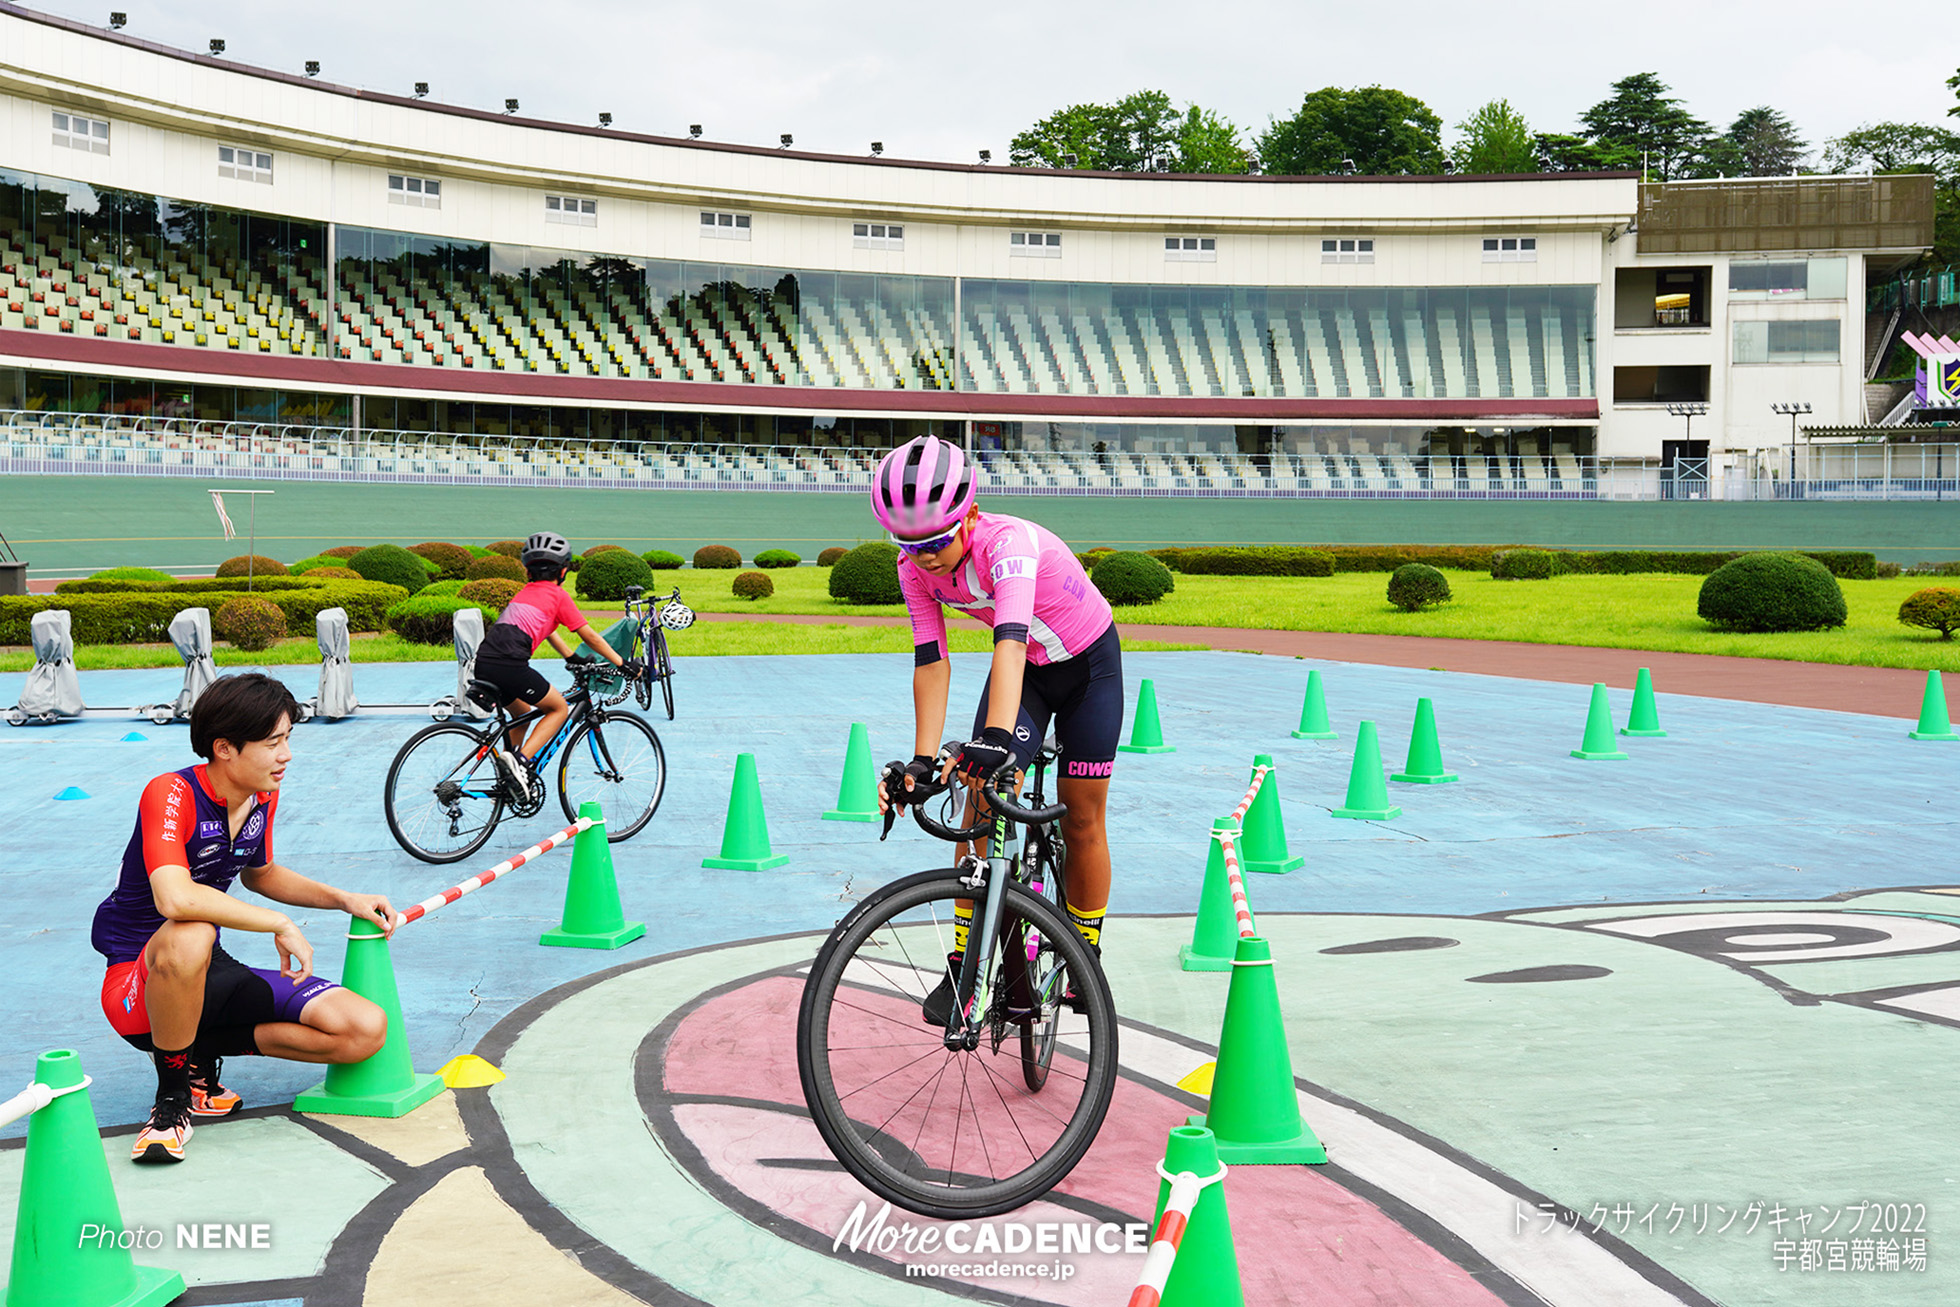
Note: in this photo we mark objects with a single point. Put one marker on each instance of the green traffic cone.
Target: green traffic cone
(1313, 712)
(745, 835)
(385, 1084)
(592, 917)
(1933, 721)
(1425, 765)
(1644, 722)
(1147, 734)
(1264, 846)
(1367, 792)
(1206, 1272)
(1599, 745)
(857, 793)
(1215, 934)
(1255, 1108)
(65, 1232)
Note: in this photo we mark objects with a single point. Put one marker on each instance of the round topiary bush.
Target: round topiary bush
(306, 565)
(508, 548)
(1771, 592)
(393, 564)
(249, 623)
(661, 560)
(1523, 565)
(500, 566)
(332, 574)
(718, 556)
(477, 551)
(442, 589)
(1413, 587)
(1936, 608)
(1090, 557)
(342, 551)
(753, 585)
(131, 574)
(867, 575)
(1128, 578)
(429, 620)
(606, 575)
(829, 557)
(777, 558)
(491, 593)
(600, 549)
(252, 565)
(451, 560)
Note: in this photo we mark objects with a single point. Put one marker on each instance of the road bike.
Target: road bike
(653, 616)
(446, 791)
(991, 1108)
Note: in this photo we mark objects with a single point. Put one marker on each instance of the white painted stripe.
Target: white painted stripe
(1044, 635)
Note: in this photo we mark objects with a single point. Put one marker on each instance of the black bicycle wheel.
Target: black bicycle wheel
(615, 759)
(643, 650)
(444, 794)
(1047, 972)
(947, 1133)
(665, 662)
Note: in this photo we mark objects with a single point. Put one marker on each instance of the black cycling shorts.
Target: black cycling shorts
(514, 680)
(1084, 699)
(238, 999)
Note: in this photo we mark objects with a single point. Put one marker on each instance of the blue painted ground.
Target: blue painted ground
(1741, 801)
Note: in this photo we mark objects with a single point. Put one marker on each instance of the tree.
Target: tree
(1373, 130)
(1142, 132)
(1562, 152)
(1898, 147)
(1761, 142)
(1496, 139)
(1642, 120)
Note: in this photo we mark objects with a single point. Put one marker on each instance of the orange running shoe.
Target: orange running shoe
(208, 1097)
(163, 1138)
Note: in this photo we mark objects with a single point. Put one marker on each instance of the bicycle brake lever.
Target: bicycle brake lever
(891, 816)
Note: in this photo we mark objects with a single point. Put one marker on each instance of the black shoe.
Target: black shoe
(937, 1009)
(1073, 1001)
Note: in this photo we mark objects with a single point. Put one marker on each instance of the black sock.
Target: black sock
(173, 1072)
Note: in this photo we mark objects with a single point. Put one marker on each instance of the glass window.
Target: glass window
(1347, 249)
(81, 133)
(571, 210)
(1804, 341)
(1191, 249)
(1762, 279)
(244, 164)
(878, 236)
(725, 226)
(1510, 249)
(421, 191)
(1035, 244)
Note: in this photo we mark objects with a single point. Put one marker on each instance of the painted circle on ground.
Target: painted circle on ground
(1768, 936)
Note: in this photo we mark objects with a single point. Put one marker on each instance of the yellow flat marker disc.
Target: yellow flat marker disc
(1199, 1081)
(471, 1072)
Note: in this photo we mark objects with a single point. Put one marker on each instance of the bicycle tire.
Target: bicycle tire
(1047, 860)
(474, 771)
(871, 956)
(666, 664)
(635, 751)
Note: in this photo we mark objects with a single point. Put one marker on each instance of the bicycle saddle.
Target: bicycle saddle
(483, 695)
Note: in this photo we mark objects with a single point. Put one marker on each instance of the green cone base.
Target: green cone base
(1369, 814)
(1189, 959)
(1598, 755)
(1303, 1147)
(746, 864)
(400, 1103)
(1146, 748)
(1293, 863)
(837, 814)
(1930, 735)
(155, 1286)
(1405, 778)
(1316, 735)
(559, 937)
(1630, 733)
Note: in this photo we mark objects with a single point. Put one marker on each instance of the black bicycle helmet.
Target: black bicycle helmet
(546, 549)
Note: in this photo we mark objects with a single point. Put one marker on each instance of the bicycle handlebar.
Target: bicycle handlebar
(1000, 800)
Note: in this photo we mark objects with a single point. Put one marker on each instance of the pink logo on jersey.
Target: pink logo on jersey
(1090, 768)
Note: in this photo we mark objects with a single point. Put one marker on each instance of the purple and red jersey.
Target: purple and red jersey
(180, 823)
(1020, 579)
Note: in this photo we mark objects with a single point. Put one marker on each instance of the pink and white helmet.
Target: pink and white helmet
(922, 488)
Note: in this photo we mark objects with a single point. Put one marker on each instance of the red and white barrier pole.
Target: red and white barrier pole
(1157, 1263)
(482, 878)
(1252, 792)
(1240, 906)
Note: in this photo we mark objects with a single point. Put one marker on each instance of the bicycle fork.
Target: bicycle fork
(979, 972)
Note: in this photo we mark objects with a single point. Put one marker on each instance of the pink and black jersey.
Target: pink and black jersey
(181, 823)
(1020, 579)
(534, 612)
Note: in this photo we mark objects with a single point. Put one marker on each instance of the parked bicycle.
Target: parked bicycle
(445, 792)
(950, 1120)
(654, 616)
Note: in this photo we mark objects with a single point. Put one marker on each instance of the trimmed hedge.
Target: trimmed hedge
(332, 574)
(491, 593)
(498, 566)
(249, 623)
(139, 612)
(307, 564)
(1936, 608)
(606, 574)
(1951, 568)
(508, 548)
(600, 549)
(1416, 586)
(426, 619)
(1386, 558)
(441, 589)
(662, 560)
(1090, 557)
(342, 551)
(753, 585)
(1771, 592)
(478, 551)
(1523, 565)
(778, 558)
(1851, 565)
(450, 560)
(391, 565)
(131, 574)
(718, 556)
(867, 575)
(1243, 560)
(251, 565)
(829, 557)
(1130, 578)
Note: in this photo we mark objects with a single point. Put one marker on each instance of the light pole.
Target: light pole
(1793, 410)
(1688, 413)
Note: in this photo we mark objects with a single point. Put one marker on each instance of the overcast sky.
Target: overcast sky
(940, 81)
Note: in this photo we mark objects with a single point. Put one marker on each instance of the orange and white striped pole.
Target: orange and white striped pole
(482, 878)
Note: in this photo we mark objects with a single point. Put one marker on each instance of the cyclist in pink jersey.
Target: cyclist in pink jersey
(1057, 657)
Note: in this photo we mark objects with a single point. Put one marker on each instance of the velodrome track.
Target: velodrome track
(1689, 980)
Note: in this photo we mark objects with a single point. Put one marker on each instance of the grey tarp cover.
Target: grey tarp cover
(51, 687)
(468, 627)
(190, 631)
(336, 675)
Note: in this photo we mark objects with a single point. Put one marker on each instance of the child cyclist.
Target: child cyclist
(529, 620)
(1056, 657)
(171, 990)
